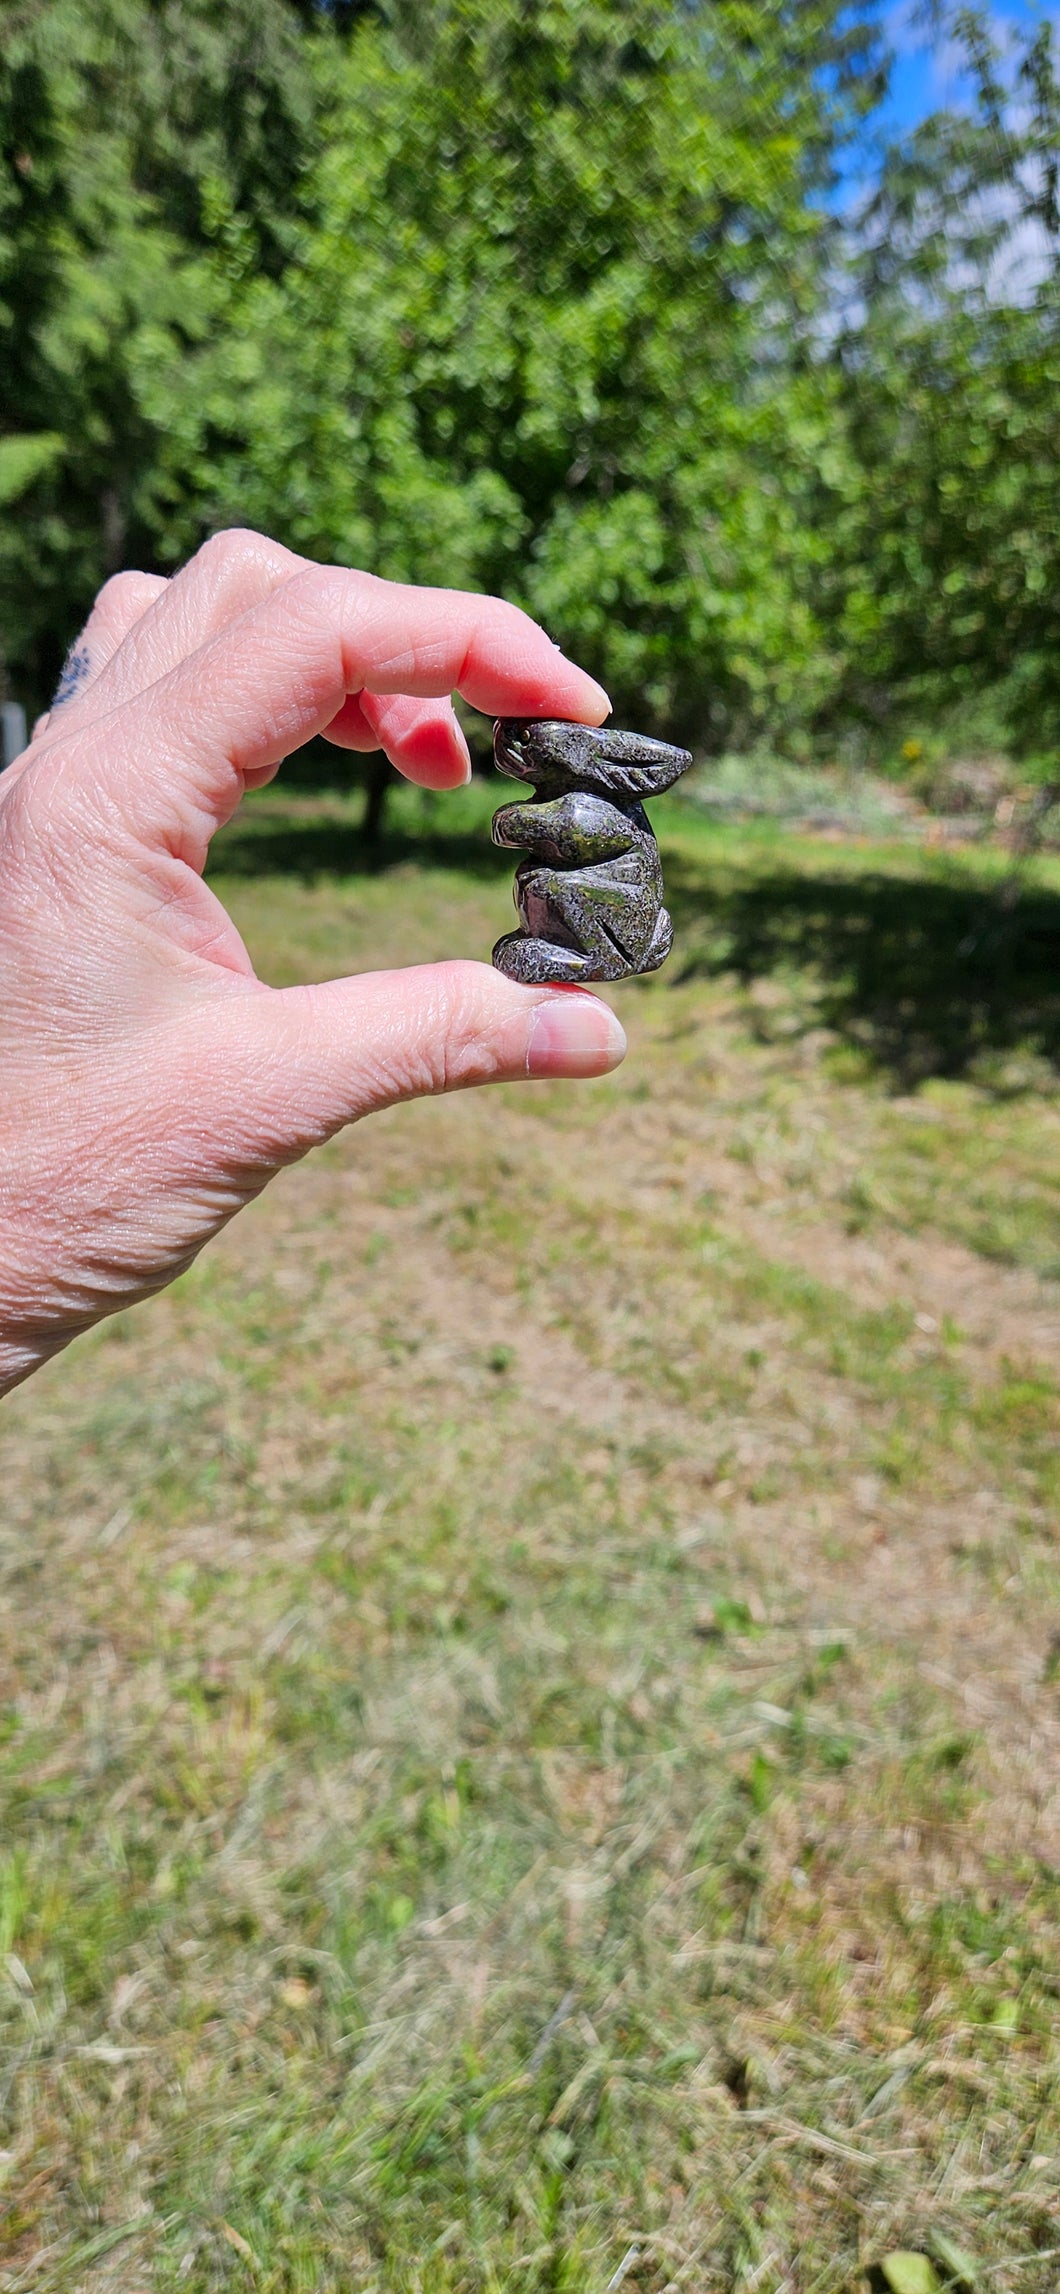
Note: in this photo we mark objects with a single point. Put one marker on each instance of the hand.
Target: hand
(151, 1085)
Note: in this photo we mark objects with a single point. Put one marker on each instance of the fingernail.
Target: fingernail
(603, 700)
(574, 1035)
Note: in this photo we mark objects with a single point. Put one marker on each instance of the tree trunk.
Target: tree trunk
(377, 783)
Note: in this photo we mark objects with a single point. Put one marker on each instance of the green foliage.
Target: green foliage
(537, 333)
(549, 298)
(957, 578)
(482, 294)
(139, 145)
(952, 386)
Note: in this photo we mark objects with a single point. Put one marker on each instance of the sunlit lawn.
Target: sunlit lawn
(530, 1708)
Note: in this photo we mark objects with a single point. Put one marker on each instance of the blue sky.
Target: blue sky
(923, 80)
(926, 77)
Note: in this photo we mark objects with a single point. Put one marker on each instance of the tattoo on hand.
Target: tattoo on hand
(74, 675)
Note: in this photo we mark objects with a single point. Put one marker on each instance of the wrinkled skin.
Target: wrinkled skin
(151, 1084)
(590, 895)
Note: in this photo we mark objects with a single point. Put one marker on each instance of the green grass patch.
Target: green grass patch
(528, 1689)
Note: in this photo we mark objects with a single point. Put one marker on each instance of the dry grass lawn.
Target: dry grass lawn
(530, 1681)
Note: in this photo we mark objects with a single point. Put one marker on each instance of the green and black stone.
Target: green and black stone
(591, 893)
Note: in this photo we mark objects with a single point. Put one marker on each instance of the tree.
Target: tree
(145, 145)
(547, 327)
(951, 385)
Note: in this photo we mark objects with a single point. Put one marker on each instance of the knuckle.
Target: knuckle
(317, 599)
(228, 548)
(462, 1048)
(315, 582)
(237, 568)
(332, 586)
(120, 589)
(237, 546)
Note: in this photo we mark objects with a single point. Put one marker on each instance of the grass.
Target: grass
(530, 1681)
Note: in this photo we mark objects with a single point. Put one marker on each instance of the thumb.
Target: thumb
(309, 1059)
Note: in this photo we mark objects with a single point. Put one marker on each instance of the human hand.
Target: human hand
(151, 1084)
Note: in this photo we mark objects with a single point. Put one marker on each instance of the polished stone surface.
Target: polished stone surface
(591, 893)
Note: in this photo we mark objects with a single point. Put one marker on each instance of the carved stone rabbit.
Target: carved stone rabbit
(590, 893)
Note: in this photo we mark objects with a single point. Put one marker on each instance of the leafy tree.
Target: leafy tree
(548, 327)
(144, 146)
(535, 294)
(951, 577)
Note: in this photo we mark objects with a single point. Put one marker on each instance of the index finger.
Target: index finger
(271, 680)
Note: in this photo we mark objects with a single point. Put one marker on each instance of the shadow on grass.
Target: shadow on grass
(926, 974)
(927, 977)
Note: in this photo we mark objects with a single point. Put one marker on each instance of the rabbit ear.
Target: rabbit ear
(631, 765)
(556, 755)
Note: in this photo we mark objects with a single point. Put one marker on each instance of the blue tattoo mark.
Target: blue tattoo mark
(74, 675)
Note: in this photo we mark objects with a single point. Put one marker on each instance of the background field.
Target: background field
(531, 1680)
